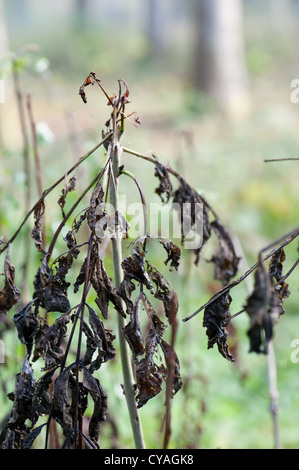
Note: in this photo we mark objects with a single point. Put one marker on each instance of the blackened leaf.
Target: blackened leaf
(41, 398)
(134, 269)
(174, 254)
(226, 261)
(132, 331)
(149, 381)
(276, 264)
(92, 385)
(28, 441)
(37, 230)
(193, 214)
(27, 324)
(10, 294)
(55, 334)
(105, 290)
(50, 289)
(103, 337)
(263, 309)
(94, 212)
(67, 188)
(149, 374)
(173, 363)
(164, 291)
(216, 318)
(61, 401)
(165, 183)
(16, 429)
(81, 276)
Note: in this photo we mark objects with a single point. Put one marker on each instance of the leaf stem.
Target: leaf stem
(116, 150)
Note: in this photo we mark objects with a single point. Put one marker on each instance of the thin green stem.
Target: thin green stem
(115, 150)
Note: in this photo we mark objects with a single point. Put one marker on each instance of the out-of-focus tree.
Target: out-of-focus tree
(220, 68)
(281, 14)
(3, 32)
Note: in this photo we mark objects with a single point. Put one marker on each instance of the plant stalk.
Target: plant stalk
(124, 349)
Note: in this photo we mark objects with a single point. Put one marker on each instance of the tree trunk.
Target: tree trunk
(220, 68)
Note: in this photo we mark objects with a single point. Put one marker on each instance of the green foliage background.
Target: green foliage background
(221, 405)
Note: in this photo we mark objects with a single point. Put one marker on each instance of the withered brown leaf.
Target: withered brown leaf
(10, 294)
(37, 230)
(51, 289)
(216, 318)
(174, 254)
(165, 186)
(263, 309)
(132, 331)
(27, 324)
(226, 261)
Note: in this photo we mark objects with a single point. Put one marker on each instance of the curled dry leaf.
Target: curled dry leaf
(174, 254)
(150, 371)
(17, 428)
(27, 324)
(216, 318)
(165, 183)
(103, 337)
(71, 186)
(54, 335)
(94, 388)
(104, 288)
(51, 289)
(226, 261)
(193, 214)
(132, 331)
(263, 309)
(37, 230)
(10, 294)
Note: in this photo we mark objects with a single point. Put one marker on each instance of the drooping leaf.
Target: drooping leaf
(276, 264)
(41, 397)
(94, 388)
(27, 324)
(164, 291)
(37, 230)
(10, 294)
(173, 363)
(132, 331)
(29, 440)
(102, 336)
(17, 429)
(165, 186)
(174, 254)
(216, 318)
(133, 267)
(149, 374)
(61, 402)
(194, 215)
(50, 289)
(149, 381)
(71, 186)
(226, 261)
(96, 206)
(263, 309)
(53, 353)
(105, 290)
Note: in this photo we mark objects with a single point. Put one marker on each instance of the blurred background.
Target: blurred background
(212, 83)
